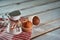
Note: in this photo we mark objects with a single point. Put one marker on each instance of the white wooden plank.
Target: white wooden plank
(55, 35)
(23, 5)
(7, 2)
(32, 3)
(41, 29)
(40, 8)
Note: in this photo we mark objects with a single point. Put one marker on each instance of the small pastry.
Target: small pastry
(35, 20)
(27, 24)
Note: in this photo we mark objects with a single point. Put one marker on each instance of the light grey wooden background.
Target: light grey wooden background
(47, 10)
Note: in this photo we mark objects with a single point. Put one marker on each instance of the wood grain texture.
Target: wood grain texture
(46, 28)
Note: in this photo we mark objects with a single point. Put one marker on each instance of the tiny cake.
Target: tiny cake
(35, 20)
(26, 25)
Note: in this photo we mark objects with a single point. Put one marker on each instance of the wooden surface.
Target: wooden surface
(40, 30)
(31, 10)
(47, 10)
(54, 35)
